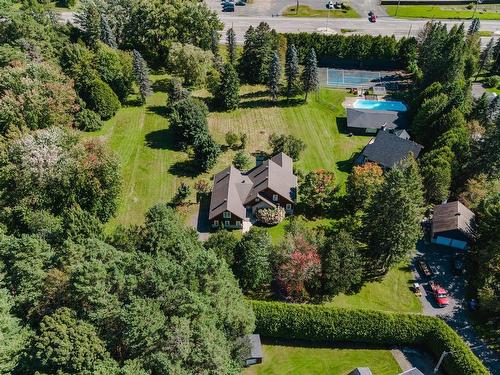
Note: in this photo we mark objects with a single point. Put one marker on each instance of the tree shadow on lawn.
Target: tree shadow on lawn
(320, 344)
(255, 94)
(163, 139)
(160, 110)
(268, 103)
(161, 85)
(346, 165)
(185, 168)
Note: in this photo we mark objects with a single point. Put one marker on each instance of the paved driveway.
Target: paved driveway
(455, 314)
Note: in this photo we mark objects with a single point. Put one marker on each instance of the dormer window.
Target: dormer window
(226, 215)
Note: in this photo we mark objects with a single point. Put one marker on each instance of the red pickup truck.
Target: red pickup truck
(440, 294)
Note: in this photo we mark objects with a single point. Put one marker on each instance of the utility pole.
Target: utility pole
(397, 8)
(475, 9)
(297, 8)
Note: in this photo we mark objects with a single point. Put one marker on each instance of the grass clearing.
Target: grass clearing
(307, 11)
(429, 11)
(152, 167)
(282, 359)
(392, 293)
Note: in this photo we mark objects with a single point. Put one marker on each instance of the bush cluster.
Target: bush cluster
(356, 51)
(320, 323)
(271, 216)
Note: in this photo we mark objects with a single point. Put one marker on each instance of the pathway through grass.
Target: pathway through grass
(457, 12)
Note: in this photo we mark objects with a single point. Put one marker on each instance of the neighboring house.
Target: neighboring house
(388, 149)
(255, 356)
(369, 121)
(236, 196)
(452, 225)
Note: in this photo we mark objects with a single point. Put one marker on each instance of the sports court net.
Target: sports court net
(353, 78)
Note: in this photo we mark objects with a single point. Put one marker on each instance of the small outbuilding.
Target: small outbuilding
(361, 371)
(255, 355)
(452, 225)
(369, 121)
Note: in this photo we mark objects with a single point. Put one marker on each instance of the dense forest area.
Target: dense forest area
(152, 299)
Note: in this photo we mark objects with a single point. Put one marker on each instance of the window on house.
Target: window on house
(238, 223)
(257, 199)
(226, 215)
(227, 223)
(288, 206)
(275, 197)
(216, 223)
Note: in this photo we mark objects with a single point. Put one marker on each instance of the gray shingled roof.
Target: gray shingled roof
(361, 371)
(452, 216)
(375, 119)
(388, 149)
(255, 346)
(232, 189)
(412, 371)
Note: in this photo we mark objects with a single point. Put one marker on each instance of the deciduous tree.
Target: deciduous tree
(362, 184)
(317, 191)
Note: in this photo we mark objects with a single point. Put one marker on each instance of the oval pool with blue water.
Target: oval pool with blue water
(379, 105)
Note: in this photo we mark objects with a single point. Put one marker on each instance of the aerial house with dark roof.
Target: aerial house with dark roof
(369, 121)
(236, 196)
(452, 225)
(388, 149)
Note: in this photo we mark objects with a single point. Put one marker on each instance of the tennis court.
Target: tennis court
(354, 78)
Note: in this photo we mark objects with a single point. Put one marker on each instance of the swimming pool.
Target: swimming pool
(379, 105)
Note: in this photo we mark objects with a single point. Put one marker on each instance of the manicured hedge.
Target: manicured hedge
(356, 51)
(320, 323)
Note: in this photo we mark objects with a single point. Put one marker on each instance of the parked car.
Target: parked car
(440, 294)
(241, 3)
(228, 7)
(458, 264)
(424, 268)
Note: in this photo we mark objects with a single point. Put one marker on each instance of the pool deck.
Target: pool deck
(349, 101)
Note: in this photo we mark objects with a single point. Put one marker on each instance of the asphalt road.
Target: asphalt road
(455, 314)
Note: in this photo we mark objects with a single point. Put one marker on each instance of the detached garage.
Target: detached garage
(452, 225)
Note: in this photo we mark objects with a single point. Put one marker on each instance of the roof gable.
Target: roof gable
(375, 119)
(452, 216)
(388, 149)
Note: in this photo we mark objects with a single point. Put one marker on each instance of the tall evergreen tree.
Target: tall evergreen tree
(257, 53)
(310, 75)
(273, 82)
(291, 69)
(393, 218)
(141, 73)
(474, 27)
(214, 42)
(13, 338)
(231, 46)
(89, 20)
(486, 57)
(107, 35)
(495, 65)
(227, 95)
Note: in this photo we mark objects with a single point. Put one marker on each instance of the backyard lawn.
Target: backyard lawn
(307, 11)
(297, 360)
(456, 12)
(392, 293)
(152, 167)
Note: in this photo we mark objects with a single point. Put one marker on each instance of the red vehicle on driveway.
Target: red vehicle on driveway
(440, 294)
(372, 17)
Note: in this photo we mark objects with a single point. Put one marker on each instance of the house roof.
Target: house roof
(375, 119)
(361, 371)
(412, 371)
(233, 189)
(401, 133)
(388, 149)
(452, 216)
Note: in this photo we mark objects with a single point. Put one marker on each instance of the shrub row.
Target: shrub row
(320, 323)
(356, 51)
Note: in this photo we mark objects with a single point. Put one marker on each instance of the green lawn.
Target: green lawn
(392, 293)
(152, 168)
(297, 360)
(307, 11)
(457, 12)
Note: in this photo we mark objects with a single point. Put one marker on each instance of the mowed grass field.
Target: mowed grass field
(153, 167)
(307, 11)
(483, 12)
(303, 360)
